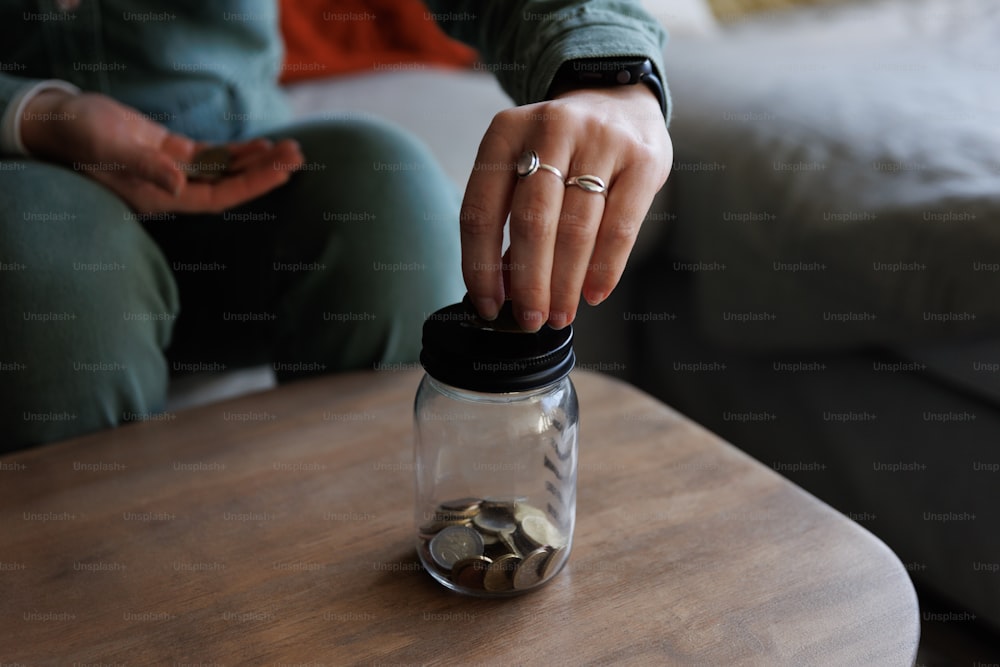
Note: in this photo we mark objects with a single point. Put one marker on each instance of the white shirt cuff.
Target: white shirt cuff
(10, 124)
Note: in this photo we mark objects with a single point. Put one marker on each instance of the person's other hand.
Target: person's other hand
(141, 161)
(564, 240)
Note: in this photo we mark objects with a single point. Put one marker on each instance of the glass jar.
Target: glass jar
(496, 422)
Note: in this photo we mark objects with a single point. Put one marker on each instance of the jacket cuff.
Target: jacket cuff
(17, 100)
(553, 58)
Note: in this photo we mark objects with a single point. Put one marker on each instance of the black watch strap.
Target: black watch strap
(606, 72)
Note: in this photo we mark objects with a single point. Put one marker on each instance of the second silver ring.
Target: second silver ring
(529, 163)
(588, 182)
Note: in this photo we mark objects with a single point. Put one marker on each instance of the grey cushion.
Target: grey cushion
(843, 165)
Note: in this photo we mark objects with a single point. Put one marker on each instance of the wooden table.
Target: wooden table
(276, 529)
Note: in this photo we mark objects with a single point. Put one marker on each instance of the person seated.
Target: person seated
(314, 246)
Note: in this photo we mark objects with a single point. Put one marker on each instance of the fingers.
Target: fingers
(642, 174)
(257, 168)
(623, 215)
(158, 168)
(178, 146)
(567, 237)
(553, 227)
(534, 227)
(579, 223)
(481, 220)
(246, 154)
(157, 163)
(261, 164)
(535, 202)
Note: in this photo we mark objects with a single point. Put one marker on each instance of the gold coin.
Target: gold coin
(528, 573)
(455, 543)
(209, 164)
(499, 575)
(509, 502)
(470, 572)
(554, 562)
(451, 518)
(539, 532)
(463, 506)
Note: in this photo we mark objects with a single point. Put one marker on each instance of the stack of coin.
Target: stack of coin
(493, 545)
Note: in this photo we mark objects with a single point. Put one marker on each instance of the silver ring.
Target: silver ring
(588, 182)
(529, 163)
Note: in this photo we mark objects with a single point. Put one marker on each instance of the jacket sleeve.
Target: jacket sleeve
(11, 91)
(15, 92)
(523, 42)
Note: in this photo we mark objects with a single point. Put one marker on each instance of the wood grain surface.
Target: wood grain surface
(277, 529)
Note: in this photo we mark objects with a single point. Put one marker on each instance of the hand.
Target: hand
(138, 158)
(564, 241)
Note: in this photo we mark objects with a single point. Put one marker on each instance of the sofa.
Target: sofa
(818, 281)
(830, 265)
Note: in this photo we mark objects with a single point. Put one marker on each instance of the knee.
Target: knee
(75, 243)
(379, 217)
(89, 303)
(369, 144)
(366, 163)
(372, 195)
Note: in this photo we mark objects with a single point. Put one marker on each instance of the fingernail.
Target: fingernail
(487, 308)
(594, 298)
(532, 320)
(558, 320)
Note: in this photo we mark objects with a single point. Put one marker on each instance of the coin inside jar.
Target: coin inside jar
(470, 572)
(529, 572)
(495, 545)
(555, 560)
(463, 506)
(209, 164)
(455, 543)
(500, 574)
(540, 532)
(495, 519)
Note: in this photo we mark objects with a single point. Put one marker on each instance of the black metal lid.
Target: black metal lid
(464, 350)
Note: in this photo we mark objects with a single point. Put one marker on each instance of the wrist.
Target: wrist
(36, 119)
(639, 102)
(609, 74)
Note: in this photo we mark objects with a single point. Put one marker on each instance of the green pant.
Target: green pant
(333, 271)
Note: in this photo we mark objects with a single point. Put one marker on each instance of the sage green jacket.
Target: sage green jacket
(209, 68)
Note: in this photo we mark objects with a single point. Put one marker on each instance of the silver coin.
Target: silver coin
(455, 543)
(495, 519)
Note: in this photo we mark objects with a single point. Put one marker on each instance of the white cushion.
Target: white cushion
(683, 17)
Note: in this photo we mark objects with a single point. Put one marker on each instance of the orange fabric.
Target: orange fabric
(328, 37)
